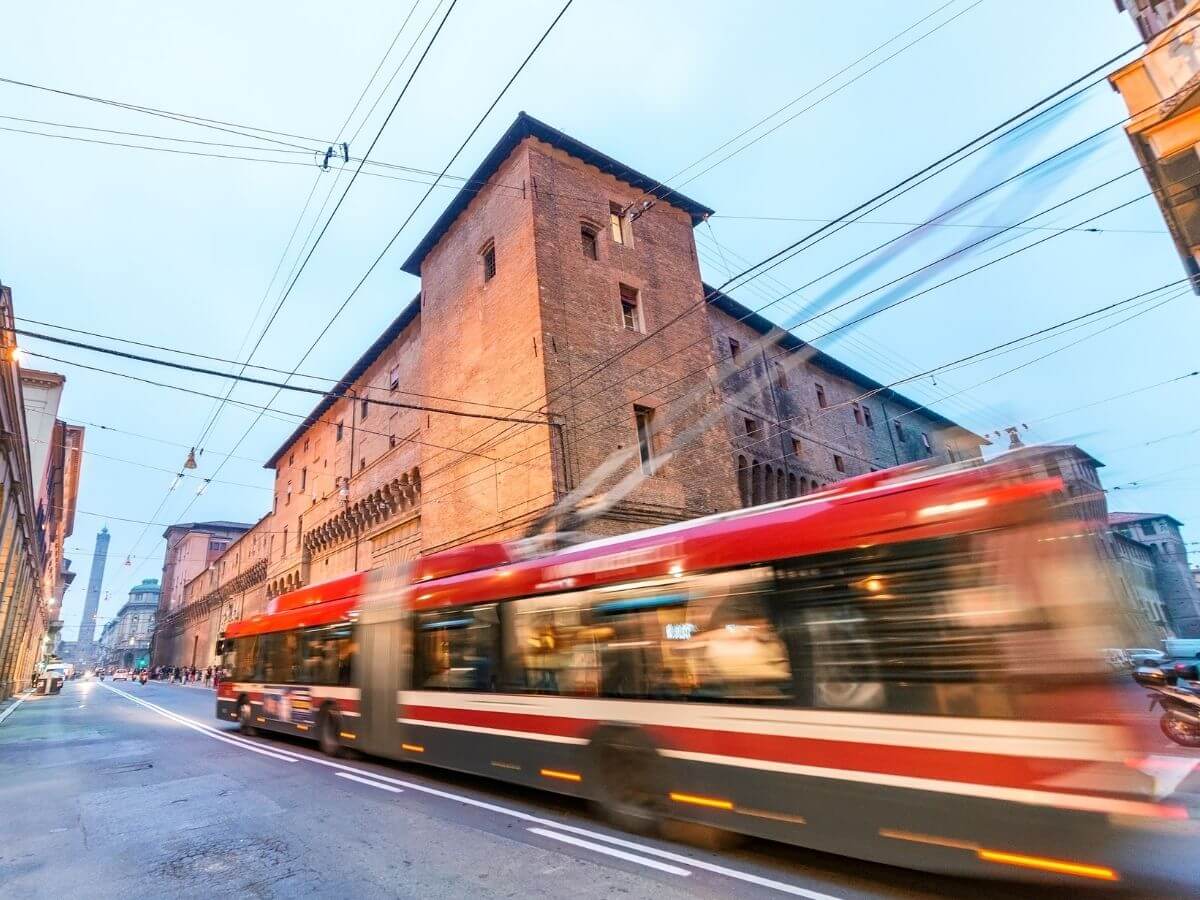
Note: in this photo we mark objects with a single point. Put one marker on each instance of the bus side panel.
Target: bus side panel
(380, 666)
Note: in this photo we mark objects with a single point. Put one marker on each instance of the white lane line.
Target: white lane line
(188, 723)
(781, 886)
(612, 851)
(371, 781)
(12, 709)
(760, 881)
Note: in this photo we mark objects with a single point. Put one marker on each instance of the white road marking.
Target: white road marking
(372, 782)
(747, 877)
(612, 851)
(12, 709)
(195, 726)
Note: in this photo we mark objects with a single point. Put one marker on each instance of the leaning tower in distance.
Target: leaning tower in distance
(87, 625)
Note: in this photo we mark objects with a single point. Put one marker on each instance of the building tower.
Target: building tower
(87, 626)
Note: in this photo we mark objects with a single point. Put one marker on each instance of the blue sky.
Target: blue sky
(180, 250)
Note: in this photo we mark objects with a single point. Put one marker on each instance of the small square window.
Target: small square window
(391, 440)
(926, 443)
(291, 459)
(839, 463)
(489, 260)
(797, 447)
(394, 378)
(735, 349)
(781, 379)
(821, 401)
(631, 317)
(587, 239)
(303, 478)
(900, 434)
(616, 223)
(870, 423)
(752, 429)
(363, 409)
(857, 410)
(338, 431)
(362, 463)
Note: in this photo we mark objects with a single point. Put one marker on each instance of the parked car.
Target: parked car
(122, 675)
(1144, 656)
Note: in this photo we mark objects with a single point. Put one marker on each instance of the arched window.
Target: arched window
(779, 490)
(756, 485)
(793, 489)
(743, 477)
(768, 484)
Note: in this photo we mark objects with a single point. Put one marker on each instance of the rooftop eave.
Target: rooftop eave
(526, 126)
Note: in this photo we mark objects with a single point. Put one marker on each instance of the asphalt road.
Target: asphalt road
(137, 791)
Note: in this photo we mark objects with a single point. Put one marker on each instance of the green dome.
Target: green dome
(148, 586)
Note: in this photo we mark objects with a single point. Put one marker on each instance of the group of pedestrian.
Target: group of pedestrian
(207, 676)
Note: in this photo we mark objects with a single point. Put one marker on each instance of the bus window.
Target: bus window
(248, 661)
(732, 650)
(457, 649)
(326, 655)
(550, 649)
(706, 637)
(281, 657)
(923, 627)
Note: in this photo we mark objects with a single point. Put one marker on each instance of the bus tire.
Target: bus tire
(246, 717)
(328, 732)
(627, 778)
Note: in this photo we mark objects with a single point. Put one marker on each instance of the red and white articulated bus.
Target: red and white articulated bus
(903, 668)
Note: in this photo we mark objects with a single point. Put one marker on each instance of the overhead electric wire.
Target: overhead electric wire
(1121, 396)
(337, 206)
(782, 426)
(144, 465)
(201, 121)
(221, 359)
(852, 322)
(935, 224)
(820, 100)
(428, 478)
(298, 271)
(84, 423)
(929, 171)
(412, 214)
(217, 373)
(803, 95)
(280, 415)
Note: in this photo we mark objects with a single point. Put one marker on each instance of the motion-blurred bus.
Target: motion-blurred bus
(904, 667)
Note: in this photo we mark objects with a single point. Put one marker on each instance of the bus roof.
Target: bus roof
(880, 508)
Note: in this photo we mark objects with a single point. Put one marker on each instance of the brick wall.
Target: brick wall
(482, 339)
(583, 328)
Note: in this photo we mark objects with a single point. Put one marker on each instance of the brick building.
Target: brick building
(581, 330)
(192, 552)
(1176, 587)
(1147, 620)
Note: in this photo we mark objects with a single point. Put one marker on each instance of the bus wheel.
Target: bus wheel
(328, 733)
(246, 717)
(627, 779)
